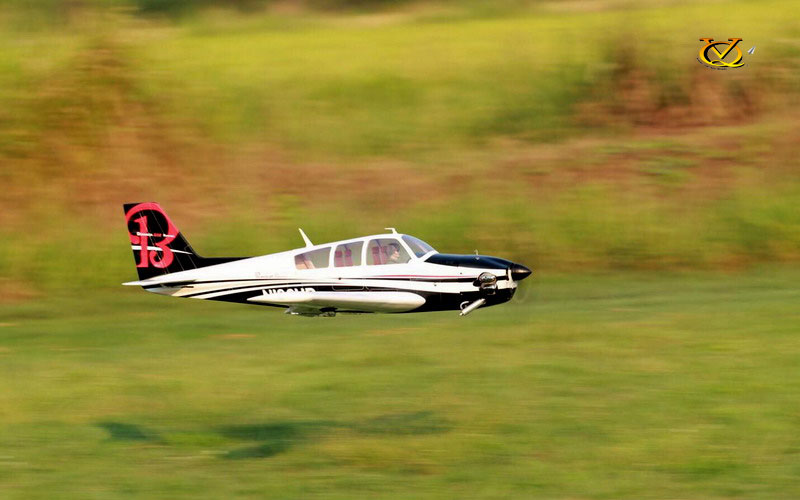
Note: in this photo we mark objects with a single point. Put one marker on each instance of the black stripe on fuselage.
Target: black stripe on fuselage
(448, 279)
(318, 287)
(296, 283)
(434, 301)
(454, 279)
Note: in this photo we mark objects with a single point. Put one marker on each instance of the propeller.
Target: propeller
(523, 293)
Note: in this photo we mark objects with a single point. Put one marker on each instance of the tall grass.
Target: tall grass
(347, 124)
(588, 227)
(345, 88)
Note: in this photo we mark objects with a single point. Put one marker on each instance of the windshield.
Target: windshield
(417, 246)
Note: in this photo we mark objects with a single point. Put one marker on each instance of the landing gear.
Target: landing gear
(467, 308)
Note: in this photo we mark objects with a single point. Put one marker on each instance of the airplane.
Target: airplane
(380, 273)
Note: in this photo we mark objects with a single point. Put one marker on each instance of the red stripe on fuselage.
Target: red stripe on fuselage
(413, 276)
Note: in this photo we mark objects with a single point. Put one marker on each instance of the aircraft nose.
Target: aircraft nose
(519, 272)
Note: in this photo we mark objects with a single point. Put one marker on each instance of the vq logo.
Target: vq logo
(153, 247)
(711, 56)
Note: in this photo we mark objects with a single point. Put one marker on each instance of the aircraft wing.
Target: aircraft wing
(350, 301)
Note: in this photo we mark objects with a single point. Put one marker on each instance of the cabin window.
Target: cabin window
(315, 259)
(417, 246)
(348, 254)
(386, 251)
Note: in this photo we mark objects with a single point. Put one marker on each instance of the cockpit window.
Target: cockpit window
(386, 251)
(315, 259)
(417, 246)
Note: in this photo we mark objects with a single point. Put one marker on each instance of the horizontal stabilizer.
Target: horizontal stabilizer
(351, 301)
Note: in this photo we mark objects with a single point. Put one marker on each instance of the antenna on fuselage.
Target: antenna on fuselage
(305, 238)
(393, 230)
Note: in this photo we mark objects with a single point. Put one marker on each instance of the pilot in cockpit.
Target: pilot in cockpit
(393, 253)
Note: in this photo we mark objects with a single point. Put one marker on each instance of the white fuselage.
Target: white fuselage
(422, 285)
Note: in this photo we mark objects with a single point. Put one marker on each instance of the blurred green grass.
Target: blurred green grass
(567, 137)
(304, 119)
(592, 386)
(400, 86)
(245, 127)
(593, 227)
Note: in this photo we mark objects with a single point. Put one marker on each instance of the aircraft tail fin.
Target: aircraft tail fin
(158, 247)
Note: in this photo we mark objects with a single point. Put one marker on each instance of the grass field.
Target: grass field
(590, 387)
(583, 149)
(417, 85)
(580, 138)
